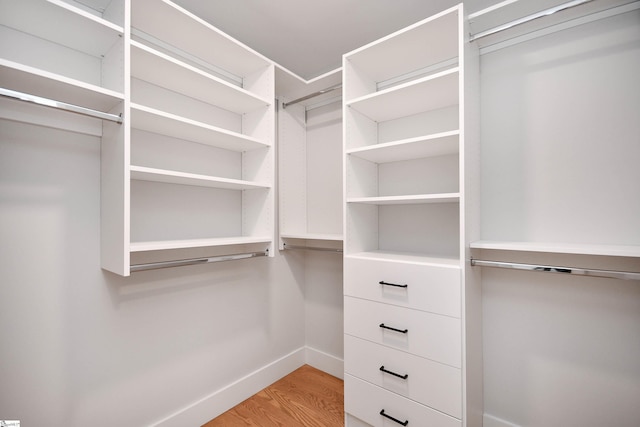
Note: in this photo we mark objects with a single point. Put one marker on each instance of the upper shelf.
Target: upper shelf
(142, 173)
(160, 69)
(152, 120)
(176, 26)
(23, 78)
(196, 243)
(407, 149)
(61, 23)
(418, 46)
(560, 248)
(425, 94)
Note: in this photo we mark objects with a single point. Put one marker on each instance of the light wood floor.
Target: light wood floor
(305, 398)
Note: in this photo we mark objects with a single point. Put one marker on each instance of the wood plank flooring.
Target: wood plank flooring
(307, 397)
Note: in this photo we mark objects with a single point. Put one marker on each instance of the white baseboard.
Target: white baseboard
(491, 421)
(226, 398)
(328, 363)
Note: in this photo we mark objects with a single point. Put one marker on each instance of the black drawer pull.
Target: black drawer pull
(402, 331)
(382, 282)
(404, 377)
(404, 423)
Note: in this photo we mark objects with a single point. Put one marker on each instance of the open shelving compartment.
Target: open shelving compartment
(402, 151)
(198, 161)
(310, 162)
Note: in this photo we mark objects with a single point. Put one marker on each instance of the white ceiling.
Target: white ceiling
(310, 37)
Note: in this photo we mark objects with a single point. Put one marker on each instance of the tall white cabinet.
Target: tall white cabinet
(413, 350)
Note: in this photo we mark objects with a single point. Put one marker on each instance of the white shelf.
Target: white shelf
(142, 173)
(178, 27)
(23, 78)
(560, 248)
(407, 200)
(61, 23)
(312, 236)
(413, 148)
(425, 94)
(408, 257)
(162, 70)
(160, 122)
(195, 243)
(421, 45)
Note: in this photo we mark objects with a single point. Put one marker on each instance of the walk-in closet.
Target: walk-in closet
(425, 212)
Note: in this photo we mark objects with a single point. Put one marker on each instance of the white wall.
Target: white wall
(561, 153)
(83, 347)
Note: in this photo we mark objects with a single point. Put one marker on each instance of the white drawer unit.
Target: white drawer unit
(412, 303)
(423, 287)
(424, 334)
(427, 382)
(381, 408)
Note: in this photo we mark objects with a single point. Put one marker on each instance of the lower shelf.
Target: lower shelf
(196, 243)
(560, 248)
(408, 257)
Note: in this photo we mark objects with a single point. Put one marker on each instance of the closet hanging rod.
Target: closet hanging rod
(527, 18)
(625, 275)
(45, 102)
(193, 261)
(312, 248)
(313, 95)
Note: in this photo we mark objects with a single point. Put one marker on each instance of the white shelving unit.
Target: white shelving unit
(196, 166)
(310, 163)
(59, 51)
(410, 167)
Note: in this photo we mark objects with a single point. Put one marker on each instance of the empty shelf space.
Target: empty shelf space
(196, 243)
(407, 200)
(23, 78)
(61, 23)
(429, 93)
(160, 122)
(162, 70)
(142, 173)
(313, 236)
(632, 251)
(413, 148)
(188, 32)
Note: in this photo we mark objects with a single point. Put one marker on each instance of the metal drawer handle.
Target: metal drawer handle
(404, 377)
(382, 282)
(404, 423)
(402, 331)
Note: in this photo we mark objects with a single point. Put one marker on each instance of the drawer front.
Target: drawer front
(427, 335)
(422, 287)
(365, 401)
(427, 382)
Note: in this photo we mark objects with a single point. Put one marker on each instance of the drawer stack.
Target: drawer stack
(402, 342)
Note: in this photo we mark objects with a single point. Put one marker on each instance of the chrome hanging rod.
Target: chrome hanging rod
(313, 95)
(25, 97)
(181, 263)
(527, 18)
(312, 248)
(612, 274)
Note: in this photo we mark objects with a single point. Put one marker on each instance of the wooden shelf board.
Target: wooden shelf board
(142, 173)
(408, 257)
(152, 120)
(195, 243)
(162, 70)
(407, 200)
(23, 78)
(413, 148)
(432, 92)
(560, 248)
(312, 236)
